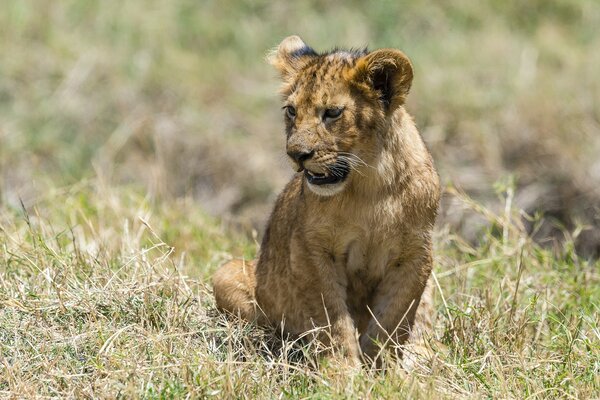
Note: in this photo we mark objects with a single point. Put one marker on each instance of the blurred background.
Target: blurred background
(174, 97)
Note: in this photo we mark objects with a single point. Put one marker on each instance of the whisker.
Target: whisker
(353, 164)
(338, 167)
(335, 171)
(353, 158)
(356, 161)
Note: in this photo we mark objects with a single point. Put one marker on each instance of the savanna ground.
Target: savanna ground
(141, 147)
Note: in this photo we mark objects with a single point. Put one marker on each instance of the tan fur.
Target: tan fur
(356, 258)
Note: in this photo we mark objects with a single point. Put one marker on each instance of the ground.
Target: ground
(104, 293)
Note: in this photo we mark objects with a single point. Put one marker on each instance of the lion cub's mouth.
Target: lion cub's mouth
(335, 173)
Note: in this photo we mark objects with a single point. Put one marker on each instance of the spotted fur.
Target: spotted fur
(354, 256)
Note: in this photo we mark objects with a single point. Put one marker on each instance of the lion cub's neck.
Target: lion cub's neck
(402, 157)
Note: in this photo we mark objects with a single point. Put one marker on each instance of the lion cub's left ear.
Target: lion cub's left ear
(388, 72)
(290, 56)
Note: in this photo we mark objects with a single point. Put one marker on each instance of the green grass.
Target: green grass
(104, 293)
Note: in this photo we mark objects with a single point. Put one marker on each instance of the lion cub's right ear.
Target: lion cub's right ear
(290, 56)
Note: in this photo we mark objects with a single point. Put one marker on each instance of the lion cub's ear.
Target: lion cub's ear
(290, 56)
(388, 72)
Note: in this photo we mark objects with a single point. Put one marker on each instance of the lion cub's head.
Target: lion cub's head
(338, 108)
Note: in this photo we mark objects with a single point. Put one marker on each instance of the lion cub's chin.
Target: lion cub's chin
(326, 190)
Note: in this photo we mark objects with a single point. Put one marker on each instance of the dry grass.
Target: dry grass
(94, 302)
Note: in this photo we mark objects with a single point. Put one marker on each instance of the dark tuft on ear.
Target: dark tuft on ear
(304, 51)
(290, 56)
(388, 73)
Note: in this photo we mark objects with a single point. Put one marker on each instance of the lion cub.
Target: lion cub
(348, 246)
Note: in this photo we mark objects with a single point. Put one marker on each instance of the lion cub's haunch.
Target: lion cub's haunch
(348, 246)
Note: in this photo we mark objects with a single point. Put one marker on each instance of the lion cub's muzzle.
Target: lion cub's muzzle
(332, 174)
(324, 172)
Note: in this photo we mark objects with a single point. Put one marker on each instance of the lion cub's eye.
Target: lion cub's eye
(290, 111)
(332, 113)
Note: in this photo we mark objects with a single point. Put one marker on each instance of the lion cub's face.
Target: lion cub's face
(336, 107)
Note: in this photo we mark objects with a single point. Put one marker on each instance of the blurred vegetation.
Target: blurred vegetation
(175, 96)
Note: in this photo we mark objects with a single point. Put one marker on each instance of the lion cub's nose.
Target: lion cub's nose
(300, 155)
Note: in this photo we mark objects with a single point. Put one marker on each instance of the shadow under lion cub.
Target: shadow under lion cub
(347, 252)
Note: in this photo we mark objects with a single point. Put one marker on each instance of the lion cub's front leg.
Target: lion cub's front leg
(333, 291)
(395, 305)
(325, 300)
